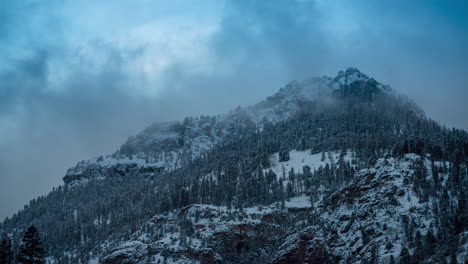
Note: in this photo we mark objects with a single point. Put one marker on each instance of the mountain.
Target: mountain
(328, 170)
(165, 146)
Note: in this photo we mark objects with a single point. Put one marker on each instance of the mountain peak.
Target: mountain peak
(354, 82)
(352, 70)
(350, 76)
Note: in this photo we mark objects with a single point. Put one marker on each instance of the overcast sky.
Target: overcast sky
(78, 77)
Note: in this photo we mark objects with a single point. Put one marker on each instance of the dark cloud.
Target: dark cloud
(78, 77)
(273, 38)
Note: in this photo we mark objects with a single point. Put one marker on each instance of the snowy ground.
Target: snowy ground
(299, 159)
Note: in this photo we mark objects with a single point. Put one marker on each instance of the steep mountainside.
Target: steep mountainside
(327, 170)
(383, 210)
(167, 146)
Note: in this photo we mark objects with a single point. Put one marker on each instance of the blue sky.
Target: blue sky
(78, 77)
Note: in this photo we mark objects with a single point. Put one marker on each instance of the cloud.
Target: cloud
(78, 77)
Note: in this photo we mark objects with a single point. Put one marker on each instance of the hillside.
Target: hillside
(328, 170)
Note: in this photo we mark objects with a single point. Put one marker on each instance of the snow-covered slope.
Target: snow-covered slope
(165, 146)
(367, 221)
(299, 159)
(373, 218)
(164, 237)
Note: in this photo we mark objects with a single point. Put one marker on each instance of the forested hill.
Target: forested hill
(328, 170)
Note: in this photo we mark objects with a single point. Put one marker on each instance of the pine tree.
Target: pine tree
(453, 259)
(284, 154)
(289, 190)
(6, 253)
(430, 243)
(405, 257)
(31, 251)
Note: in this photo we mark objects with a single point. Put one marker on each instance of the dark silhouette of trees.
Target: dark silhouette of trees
(30, 250)
(6, 252)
